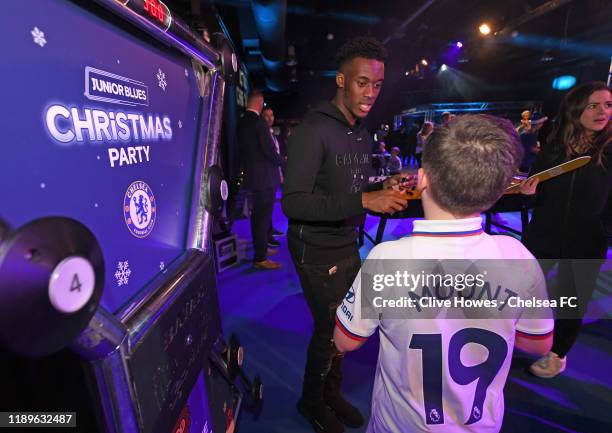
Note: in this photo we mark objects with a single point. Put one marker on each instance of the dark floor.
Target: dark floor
(268, 312)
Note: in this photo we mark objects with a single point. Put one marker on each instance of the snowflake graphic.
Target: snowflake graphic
(161, 79)
(38, 36)
(180, 124)
(123, 273)
(162, 266)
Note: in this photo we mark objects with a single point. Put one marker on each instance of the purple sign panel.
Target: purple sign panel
(101, 125)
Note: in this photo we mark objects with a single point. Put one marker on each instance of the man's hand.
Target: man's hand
(400, 182)
(385, 200)
(528, 186)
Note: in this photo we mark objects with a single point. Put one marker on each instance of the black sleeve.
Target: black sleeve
(267, 148)
(305, 156)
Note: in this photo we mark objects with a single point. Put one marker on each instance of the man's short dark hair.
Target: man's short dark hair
(266, 108)
(470, 162)
(361, 46)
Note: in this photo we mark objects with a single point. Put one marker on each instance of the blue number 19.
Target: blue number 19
(485, 372)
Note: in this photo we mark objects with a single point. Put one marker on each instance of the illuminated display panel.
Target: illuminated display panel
(101, 126)
(154, 10)
(157, 10)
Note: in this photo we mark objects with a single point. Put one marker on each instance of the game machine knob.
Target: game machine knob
(228, 359)
(257, 392)
(229, 60)
(216, 191)
(233, 355)
(51, 282)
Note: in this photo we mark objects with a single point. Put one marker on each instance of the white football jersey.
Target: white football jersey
(446, 374)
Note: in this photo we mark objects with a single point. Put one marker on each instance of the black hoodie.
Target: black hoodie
(329, 163)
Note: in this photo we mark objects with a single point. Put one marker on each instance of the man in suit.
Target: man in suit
(260, 163)
(268, 116)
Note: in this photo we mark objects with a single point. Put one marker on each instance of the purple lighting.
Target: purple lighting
(459, 44)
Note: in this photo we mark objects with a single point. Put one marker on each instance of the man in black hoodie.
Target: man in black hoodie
(325, 197)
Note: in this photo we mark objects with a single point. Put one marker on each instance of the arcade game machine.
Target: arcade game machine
(109, 183)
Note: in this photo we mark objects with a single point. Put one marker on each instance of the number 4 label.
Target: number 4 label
(76, 284)
(72, 284)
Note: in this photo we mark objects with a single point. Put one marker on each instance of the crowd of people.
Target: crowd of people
(464, 165)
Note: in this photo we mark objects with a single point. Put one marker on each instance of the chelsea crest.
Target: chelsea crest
(139, 209)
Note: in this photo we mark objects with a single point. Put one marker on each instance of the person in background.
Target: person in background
(268, 115)
(260, 163)
(529, 139)
(567, 221)
(444, 370)
(422, 137)
(394, 166)
(411, 142)
(382, 133)
(446, 117)
(399, 138)
(380, 159)
(525, 123)
(326, 196)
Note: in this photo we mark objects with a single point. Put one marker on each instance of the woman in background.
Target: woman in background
(567, 217)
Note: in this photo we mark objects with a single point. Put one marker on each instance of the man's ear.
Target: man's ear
(340, 80)
(422, 181)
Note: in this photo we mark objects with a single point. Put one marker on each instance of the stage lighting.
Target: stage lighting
(424, 62)
(484, 29)
(459, 44)
(564, 82)
(443, 67)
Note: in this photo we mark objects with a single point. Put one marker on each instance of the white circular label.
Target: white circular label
(224, 190)
(240, 357)
(71, 284)
(234, 62)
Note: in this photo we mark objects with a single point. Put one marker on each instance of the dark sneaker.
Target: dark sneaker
(273, 243)
(276, 232)
(346, 412)
(320, 416)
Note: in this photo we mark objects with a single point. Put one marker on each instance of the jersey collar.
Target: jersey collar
(448, 228)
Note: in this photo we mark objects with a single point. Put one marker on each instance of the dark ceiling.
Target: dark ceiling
(536, 41)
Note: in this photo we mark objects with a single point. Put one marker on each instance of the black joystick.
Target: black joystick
(234, 356)
(51, 282)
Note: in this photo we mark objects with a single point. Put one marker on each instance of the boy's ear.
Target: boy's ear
(340, 80)
(422, 180)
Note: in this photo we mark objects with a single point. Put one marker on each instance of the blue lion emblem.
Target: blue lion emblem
(142, 209)
(139, 209)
